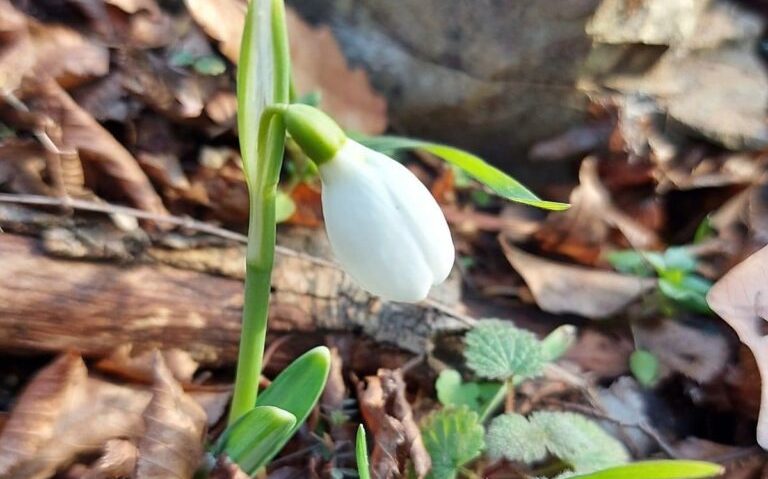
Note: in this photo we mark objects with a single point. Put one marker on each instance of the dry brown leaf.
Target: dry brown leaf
(172, 445)
(388, 415)
(739, 298)
(683, 348)
(64, 414)
(16, 50)
(77, 130)
(22, 164)
(586, 226)
(226, 469)
(117, 460)
(317, 63)
(66, 55)
(561, 288)
(223, 21)
(141, 366)
(599, 354)
(38, 409)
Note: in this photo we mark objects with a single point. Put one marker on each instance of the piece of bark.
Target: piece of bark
(49, 304)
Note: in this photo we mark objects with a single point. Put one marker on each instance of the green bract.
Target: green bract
(453, 437)
(315, 132)
(497, 350)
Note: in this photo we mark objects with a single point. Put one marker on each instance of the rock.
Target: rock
(487, 75)
(496, 76)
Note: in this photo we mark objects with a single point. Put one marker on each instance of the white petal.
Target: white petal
(367, 230)
(420, 212)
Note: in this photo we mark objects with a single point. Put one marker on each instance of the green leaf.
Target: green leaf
(298, 387)
(182, 58)
(688, 291)
(658, 470)
(630, 262)
(210, 65)
(498, 350)
(498, 181)
(558, 342)
(285, 207)
(644, 366)
(250, 441)
(453, 391)
(513, 437)
(361, 453)
(453, 437)
(680, 258)
(579, 441)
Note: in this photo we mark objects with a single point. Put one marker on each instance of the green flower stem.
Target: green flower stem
(262, 160)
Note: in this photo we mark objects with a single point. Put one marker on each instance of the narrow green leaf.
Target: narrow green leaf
(298, 387)
(250, 441)
(361, 453)
(645, 367)
(498, 181)
(210, 65)
(658, 470)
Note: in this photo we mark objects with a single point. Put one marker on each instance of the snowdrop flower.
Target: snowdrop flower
(385, 228)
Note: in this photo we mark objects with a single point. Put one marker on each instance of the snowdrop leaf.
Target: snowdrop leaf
(579, 441)
(453, 437)
(658, 470)
(249, 442)
(297, 388)
(498, 181)
(513, 437)
(497, 350)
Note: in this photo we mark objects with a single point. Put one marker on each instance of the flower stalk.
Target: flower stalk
(262, 140)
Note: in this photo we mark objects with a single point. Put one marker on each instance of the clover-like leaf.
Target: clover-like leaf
(498, 350)
(453, 437)
(513, 437)
(579, 441)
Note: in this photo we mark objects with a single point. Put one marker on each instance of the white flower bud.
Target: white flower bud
(385, 228)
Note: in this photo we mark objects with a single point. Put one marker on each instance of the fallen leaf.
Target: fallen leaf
(561, 288)
(389, 417)
(688, 349)
(599, 354)
(117, 460)
(345, 93)
(95, 145)
(172, 445)
(226, 469)
(22, 167)
(223, 21)
(317, 63)
(16, 51)
(66, 55)
(583, 230)
(141, 366)
(739, 298)
(62, 415)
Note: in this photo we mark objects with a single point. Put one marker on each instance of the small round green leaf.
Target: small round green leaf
(645, 367)
(453, 437)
